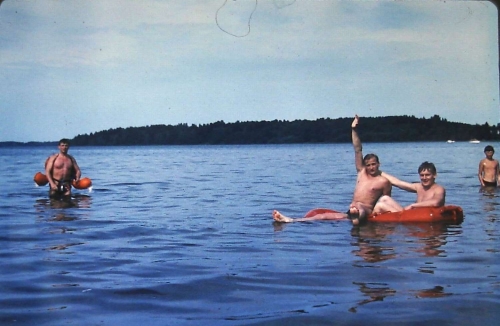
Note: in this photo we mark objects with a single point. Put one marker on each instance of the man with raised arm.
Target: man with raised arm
(429, 193)
(61, 169)
(370, 184)
(370, 187)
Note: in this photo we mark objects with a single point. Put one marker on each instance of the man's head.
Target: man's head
(64, 141)
(427, 172)
(372, 164)
(489, 151)
(64, 145)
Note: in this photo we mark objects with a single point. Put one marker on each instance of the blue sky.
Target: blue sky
(76, 67)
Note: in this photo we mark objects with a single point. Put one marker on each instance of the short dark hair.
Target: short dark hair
(64, 141)
(370, 156)
(489, 148)
(427, 166)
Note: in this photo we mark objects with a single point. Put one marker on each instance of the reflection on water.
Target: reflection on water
(64, 246)
(432, 237)
(370, 240)
(76, 201)
(489, 191)
(374, 239)
(379, 243)
(490, 199)
(374, 292)
(435, 292)
(62, 210)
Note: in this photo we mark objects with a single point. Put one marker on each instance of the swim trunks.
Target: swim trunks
(62, 186)
(490, 184)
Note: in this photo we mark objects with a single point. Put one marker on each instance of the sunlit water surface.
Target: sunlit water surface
(184, 236)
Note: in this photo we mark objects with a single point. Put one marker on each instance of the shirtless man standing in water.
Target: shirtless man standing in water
(489, 170)
(61, 169)
(370, 187)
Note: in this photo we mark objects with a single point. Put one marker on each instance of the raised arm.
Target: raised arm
(411, 187)
(356, 143)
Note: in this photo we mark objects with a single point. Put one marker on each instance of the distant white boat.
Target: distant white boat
(450, 141)
(474, 141)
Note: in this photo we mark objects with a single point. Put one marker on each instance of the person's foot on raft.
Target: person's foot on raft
(354, 215)
(278, 217)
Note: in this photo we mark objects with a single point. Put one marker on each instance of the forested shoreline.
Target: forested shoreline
(372, 129)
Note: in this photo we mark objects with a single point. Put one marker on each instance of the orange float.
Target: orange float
(447, 214)
(83, 183)
(41, 180)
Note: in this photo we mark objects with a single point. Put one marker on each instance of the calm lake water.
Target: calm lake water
(183, 235)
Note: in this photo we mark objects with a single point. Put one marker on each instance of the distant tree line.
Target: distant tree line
(27, 144)
(372, 129)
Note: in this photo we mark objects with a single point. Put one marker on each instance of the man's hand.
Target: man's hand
(355, 122)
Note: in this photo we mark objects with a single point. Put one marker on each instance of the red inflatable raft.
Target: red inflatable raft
(446, 214)
(41, 180)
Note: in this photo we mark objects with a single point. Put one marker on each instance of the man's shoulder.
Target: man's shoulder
(51, 159)
(380, 176)
(52, 156)
(437, 187)
(382, 180)
(71, 158)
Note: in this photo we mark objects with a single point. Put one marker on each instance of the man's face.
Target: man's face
(489, 154)
(427, 178)
(372, 166)
(63, 147)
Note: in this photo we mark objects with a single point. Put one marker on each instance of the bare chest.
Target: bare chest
(487, 164)
(371, 185)
(63, 163)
